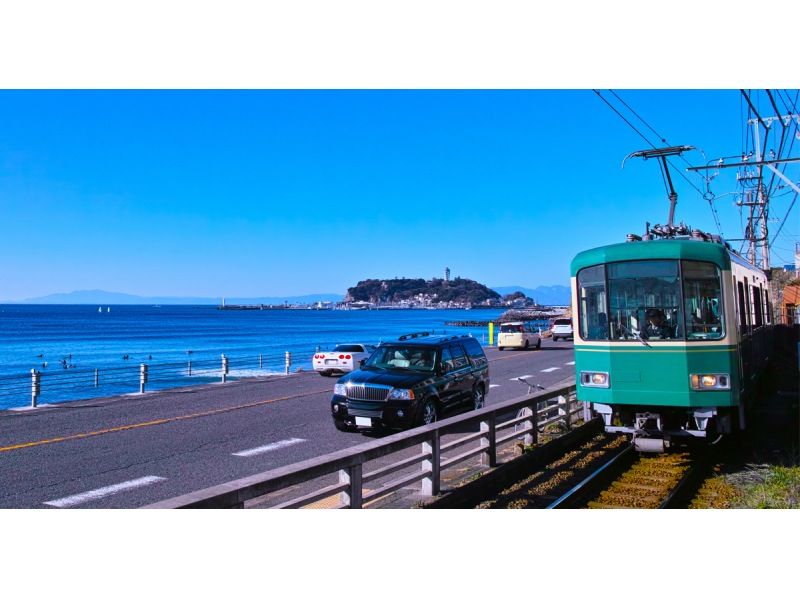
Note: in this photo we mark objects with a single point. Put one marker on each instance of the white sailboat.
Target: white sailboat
(108, 310)
(99, 310)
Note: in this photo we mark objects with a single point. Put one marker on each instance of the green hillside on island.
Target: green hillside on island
(437, 290)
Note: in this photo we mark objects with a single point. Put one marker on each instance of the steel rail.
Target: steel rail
(578, 487)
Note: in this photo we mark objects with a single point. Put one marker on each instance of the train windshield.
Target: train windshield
(650, 300)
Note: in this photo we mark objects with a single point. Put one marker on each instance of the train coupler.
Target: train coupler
(650, 444)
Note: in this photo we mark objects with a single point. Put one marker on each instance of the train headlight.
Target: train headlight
(595, 379)
(710, 381)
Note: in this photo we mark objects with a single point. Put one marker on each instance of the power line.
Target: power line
(780, 228)
(638, 132)
(663, 139)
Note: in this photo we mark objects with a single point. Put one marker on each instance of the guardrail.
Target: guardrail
(527, 414)
(139, 377)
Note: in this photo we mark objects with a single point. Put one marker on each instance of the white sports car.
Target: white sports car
(343, 359)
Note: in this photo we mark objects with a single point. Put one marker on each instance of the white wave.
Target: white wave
(232, 373)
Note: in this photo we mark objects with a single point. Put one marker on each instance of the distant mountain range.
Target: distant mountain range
(546, 295)
(98, 297)
(553, 295)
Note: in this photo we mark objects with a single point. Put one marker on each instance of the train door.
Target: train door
(744, 334)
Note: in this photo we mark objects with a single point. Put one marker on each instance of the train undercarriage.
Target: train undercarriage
(654, 431)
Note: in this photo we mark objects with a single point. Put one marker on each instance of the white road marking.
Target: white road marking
(523, 377)
(551, 369)
(493, 385)
(77, 499)
(570, 363)
(269, 447)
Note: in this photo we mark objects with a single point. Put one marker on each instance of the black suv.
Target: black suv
(412, 381)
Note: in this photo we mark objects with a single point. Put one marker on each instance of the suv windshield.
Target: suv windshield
(402, 357)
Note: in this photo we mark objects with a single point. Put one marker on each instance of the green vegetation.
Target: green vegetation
(762, 486)
(769, 487)
(459, 290)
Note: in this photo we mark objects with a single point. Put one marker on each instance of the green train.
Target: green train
(671, 335)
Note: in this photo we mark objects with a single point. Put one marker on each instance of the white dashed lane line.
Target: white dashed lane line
(76, 499)
(551, 370)
(523, 377)
(570, 363)
(493, 385)
(269, 447)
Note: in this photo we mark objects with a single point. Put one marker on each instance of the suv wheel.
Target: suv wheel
(427, 413)
(538, 344)
(500, 348)
(326, 373)
(478, 397)
(527, 344)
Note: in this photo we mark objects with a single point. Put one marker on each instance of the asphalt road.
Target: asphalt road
(129, 451)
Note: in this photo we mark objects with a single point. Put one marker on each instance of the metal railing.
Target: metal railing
(54, 385)
(509, 421)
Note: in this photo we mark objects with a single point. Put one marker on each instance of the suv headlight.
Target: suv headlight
(400, 394)
(710, 381)
(595, 379)
(340, 389)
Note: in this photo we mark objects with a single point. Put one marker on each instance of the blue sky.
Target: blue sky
(269, 193)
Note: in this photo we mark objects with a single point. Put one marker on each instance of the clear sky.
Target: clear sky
(270, 193)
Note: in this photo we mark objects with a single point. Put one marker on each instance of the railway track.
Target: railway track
(633, 481)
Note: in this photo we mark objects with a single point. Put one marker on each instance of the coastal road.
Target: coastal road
(129, 451)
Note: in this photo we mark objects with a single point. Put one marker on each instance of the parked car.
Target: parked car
(518, 335)
(562, 328)
(343, 358)
(413, 381)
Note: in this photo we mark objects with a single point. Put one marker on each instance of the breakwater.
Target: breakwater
(511, 315)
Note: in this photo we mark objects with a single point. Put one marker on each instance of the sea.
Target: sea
(88, 351)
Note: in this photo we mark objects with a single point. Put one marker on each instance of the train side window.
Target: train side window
(768, 305)
(748, 307)
(742, 310)
(593, 321)
(702, 297)
(757, 315)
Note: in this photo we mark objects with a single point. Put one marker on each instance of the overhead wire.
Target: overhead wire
(791, 108)
(663, 139)
(646, 139)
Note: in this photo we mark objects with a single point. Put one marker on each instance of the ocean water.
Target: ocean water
(74, 346)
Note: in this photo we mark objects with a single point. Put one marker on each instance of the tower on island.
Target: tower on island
(447, 274)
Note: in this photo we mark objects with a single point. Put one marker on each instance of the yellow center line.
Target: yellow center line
(154, 422)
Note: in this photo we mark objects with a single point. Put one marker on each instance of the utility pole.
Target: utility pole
(756, 233)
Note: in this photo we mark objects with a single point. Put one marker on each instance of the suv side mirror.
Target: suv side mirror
(361, 362)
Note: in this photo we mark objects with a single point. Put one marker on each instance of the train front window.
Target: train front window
(645, 300)
(702, 301)
(592, 293)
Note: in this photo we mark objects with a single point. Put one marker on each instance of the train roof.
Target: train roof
(684, 249)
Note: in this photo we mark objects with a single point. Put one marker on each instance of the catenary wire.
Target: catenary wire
(638, 132)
